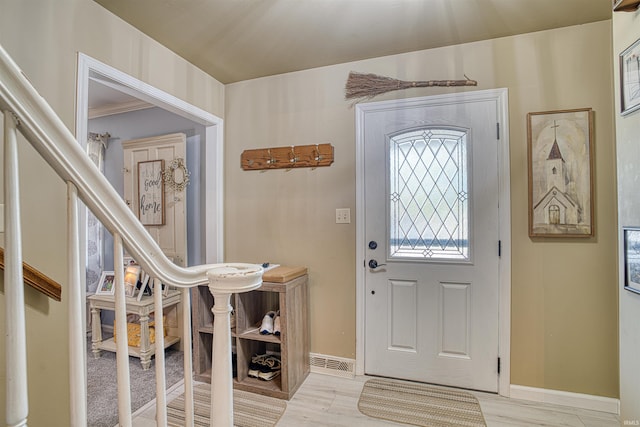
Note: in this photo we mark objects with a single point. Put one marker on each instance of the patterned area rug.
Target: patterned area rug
(419, 404)
(249, 409)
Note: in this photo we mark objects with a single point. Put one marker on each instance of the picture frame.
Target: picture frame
(560, 166)
(151, 208)
(631, 254)
(106, 285)
(630, 79)
(143, 285)
(131, 275)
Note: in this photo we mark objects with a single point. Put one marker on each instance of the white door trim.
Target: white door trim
(213, 185)
(501, 95)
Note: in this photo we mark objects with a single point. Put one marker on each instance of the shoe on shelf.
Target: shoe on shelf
(277, 324)
(268, 376)
(270, 368)
(267, 323)
(256, 365)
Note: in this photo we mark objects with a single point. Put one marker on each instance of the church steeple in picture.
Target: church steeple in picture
(555, 165)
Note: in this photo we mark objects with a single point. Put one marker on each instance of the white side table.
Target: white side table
(142, 308)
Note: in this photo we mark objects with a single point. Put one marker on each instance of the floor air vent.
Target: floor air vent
(331, 365)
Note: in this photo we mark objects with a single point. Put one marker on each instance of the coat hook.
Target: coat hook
(292, 156)
(317, 157)
(271, 160)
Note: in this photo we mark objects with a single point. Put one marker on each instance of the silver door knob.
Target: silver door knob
(374, 264)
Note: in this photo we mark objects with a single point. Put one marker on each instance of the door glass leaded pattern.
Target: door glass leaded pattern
(428, 195)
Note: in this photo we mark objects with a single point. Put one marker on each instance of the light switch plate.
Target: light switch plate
(343, 216)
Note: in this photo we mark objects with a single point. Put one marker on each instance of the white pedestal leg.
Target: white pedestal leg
(221, 369)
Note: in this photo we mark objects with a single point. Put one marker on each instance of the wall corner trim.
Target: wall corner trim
(565, 398)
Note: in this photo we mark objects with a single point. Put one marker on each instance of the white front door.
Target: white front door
(431, 214)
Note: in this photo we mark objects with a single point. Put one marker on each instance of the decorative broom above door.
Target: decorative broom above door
(362, 86)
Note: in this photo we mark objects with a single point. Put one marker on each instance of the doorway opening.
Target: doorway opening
(98, 83)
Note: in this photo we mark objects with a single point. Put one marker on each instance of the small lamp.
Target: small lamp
(131, 275)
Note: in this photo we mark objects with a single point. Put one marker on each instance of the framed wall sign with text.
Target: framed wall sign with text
(151, 192)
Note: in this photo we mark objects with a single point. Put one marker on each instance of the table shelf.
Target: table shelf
(143, 308)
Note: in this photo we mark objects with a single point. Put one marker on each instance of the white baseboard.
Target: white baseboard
(565, 398)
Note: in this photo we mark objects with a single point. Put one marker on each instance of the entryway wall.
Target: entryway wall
(564, 293)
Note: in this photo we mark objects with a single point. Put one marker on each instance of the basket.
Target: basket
(134, 333)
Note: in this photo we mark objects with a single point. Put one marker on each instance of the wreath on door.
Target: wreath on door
(176, 175)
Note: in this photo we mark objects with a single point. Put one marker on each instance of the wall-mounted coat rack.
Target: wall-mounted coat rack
(299, 156)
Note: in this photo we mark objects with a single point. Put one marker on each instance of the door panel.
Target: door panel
(431, 202)
(171, 237)
(455, 304)
(403, 315)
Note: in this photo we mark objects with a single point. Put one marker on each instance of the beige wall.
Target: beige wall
(564, 318)
(626, 30)
(44, 37)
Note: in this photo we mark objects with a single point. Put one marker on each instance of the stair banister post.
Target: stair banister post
(225, 279)
(16, 346)
(221, 366)
(188, 366)
(161, 387)
(76, 295)
(122, 342)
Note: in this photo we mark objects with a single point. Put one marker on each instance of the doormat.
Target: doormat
(419, 404)
(249, 409)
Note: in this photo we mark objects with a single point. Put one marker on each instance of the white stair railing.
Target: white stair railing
(15, 341)
(25, 111)
(77, 377)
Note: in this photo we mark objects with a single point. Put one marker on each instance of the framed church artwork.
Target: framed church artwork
(560, 153)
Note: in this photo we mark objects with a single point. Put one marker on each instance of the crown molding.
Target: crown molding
(124, 107)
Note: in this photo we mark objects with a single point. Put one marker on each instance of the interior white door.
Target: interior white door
(172, 236)
(432, 227)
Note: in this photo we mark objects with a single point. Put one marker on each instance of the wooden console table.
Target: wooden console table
(142, 308)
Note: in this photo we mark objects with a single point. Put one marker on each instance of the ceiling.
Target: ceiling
(234, 40)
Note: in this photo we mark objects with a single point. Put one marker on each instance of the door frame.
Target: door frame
(500, 96)
(90, 68)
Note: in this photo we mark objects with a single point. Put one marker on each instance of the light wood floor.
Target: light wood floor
(331, 401)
